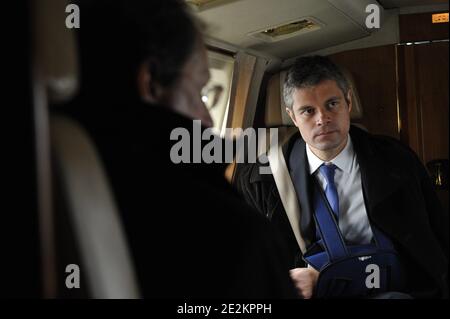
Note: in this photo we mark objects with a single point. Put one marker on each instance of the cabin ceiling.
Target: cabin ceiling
(232, 21)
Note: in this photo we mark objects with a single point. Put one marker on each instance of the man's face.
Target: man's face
(185, 97)
(322, 116)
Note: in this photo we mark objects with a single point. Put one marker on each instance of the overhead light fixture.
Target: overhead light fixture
(287, 30)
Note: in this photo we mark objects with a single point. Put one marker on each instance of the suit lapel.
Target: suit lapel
(295, 155)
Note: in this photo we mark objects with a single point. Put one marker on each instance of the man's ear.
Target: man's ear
(149, 89)
(291, 115)
(348, 99)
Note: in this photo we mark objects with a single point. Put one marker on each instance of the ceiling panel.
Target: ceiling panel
(233, 21)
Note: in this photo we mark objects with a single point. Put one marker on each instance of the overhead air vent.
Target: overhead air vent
(287, 30)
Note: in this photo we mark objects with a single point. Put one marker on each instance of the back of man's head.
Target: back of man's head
(310, 71)
(117, 37)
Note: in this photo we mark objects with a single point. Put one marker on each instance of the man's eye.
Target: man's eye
(333, 104)
(307, 111)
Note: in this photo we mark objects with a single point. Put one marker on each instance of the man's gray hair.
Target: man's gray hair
(310, 71)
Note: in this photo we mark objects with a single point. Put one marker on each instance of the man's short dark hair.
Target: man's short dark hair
(116, 37)
(310, 71)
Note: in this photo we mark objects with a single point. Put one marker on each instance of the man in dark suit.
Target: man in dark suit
(369, 181)
(144, 65)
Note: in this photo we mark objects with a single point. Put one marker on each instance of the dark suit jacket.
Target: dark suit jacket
(189, 232)
(399, 199)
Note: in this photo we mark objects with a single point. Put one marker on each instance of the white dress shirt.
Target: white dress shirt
(353, 220)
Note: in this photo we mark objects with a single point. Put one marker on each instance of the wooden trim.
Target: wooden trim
(244, 68)
(412, 104)
(401, 95)
(397, 96)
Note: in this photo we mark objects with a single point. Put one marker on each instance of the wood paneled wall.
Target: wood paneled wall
(423, 83)
(424, 98)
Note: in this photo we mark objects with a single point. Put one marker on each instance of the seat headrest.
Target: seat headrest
(357, 111)
(56, 49)
(275, 113)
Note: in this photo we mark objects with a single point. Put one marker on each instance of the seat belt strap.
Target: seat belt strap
(329, 230)
(287, 192)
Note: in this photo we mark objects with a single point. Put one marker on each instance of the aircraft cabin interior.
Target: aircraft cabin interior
(395, 57)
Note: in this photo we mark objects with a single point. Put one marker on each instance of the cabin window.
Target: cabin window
(216, 93)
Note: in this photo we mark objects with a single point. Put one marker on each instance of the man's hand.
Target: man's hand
(305, 280)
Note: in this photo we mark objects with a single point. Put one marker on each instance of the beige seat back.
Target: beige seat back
(77, 171)
(93, 213)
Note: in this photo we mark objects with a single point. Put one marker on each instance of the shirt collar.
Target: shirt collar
(343, 160)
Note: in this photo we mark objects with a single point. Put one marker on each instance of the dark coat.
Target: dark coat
(189, 232)
(399, 199)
